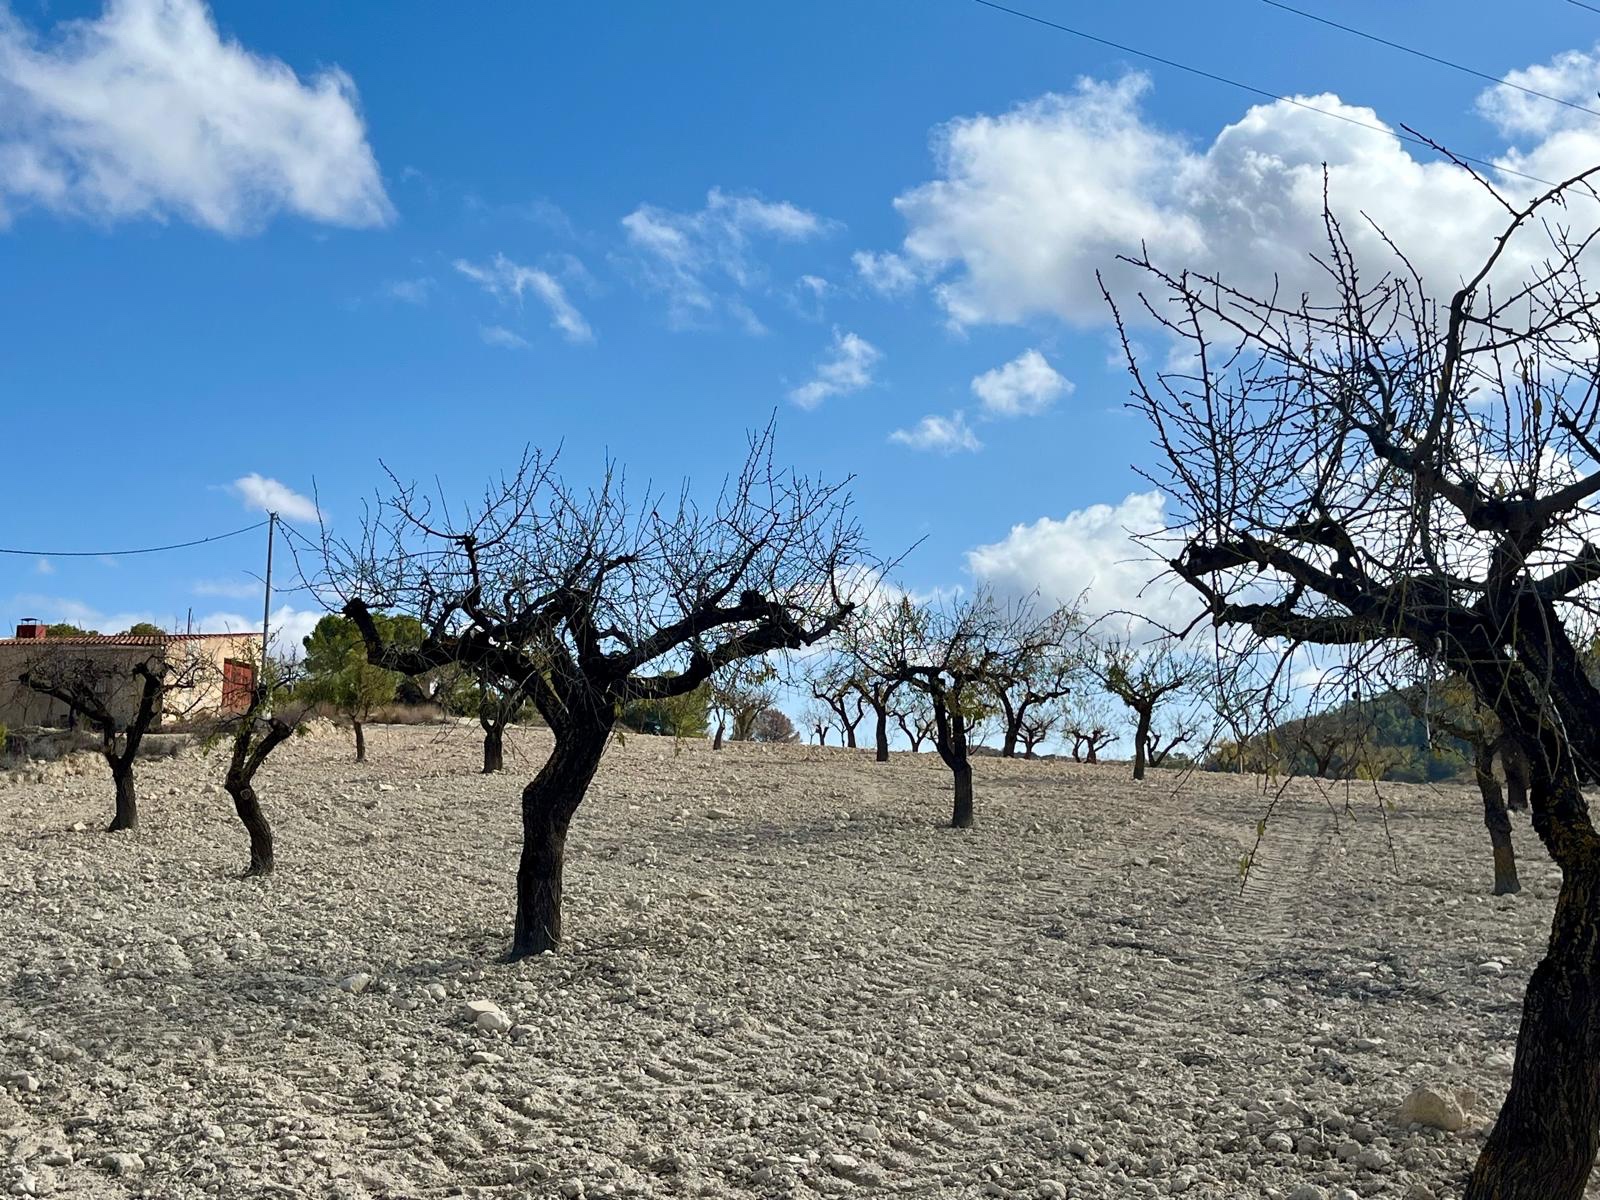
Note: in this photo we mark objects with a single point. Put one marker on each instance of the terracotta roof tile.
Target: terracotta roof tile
(120, 639)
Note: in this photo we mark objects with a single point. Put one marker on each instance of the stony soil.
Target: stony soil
(783, 977)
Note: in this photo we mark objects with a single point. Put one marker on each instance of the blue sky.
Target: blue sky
(278, 242)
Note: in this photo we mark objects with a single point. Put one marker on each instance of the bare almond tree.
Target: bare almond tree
(271, 719)
(1397, 475)
(1042, 666)
(952, 652)
(121, 693)
(590, 599)
(1145, 677)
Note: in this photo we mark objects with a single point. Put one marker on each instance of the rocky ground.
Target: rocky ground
(783, 977)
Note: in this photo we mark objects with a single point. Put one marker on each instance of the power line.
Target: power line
(1434, 58)
(1580, 4)
(126, 553)
(1246, 87)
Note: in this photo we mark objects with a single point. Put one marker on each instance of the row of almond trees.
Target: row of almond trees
(1384, 474)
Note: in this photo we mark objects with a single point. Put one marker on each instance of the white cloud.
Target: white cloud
(887, 273)
(146, 111)
(499, 335)
(939, 435)
(1024, 387)
(1093, 549)
(507, 281)
(1028, 205)
(691, 257)
(847, 368)
(268, 495)
(44, 567)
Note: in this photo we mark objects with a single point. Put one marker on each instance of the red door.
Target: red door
(238, 685)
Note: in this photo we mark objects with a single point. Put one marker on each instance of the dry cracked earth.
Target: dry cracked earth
(783, 978)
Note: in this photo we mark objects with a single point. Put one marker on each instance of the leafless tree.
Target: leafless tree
(271, 719)
(1041, 665)
(1144, 676)
(498, 706)
(740, 693)
(1400, 475)
(949, 652)
(832, 681)
(871, 639)
(588, 600)
(121, 694)
(915, 718)
(819, 721)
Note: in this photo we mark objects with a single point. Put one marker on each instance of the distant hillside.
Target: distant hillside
(1377, 738)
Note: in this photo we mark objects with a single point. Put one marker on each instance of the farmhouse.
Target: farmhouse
(217, 669)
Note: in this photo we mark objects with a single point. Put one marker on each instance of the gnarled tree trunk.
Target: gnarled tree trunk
(881, 732)
(494, 749)
(248, 806)
(1496, 819)
(361, 742)
(716, 742)
(548, 802)
(1141, 743)
(1544, 1141)
(127, 812)
(961, 816)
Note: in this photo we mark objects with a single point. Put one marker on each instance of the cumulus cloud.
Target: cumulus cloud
(1024, 387)
(1029, 204)
(694, 257)
(268, 495)
(886, 273)
(939, 435)
(1093, 550)
(846, 368)
(147, 111)
(509, 281)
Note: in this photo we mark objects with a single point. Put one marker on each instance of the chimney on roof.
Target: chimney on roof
(31, 628)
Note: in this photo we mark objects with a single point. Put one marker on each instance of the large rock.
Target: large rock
(1438, 1107)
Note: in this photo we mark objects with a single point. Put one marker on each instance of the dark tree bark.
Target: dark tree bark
(881, 732)
(494, 749)
(248, 807)
(961, 814)
(255, 737)
(361, 742)
(1545, 1139)
(127, 811)
(1516, 769)
(1496, 819)
(1141, 742)
(548, 803)
(716, 742)
(950, 739)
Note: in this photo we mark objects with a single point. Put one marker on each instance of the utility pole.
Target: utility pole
(266, 603)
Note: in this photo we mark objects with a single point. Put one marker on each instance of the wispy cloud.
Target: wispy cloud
(846, 368)
(232, 589)
(44, 567)
(410, 291)
(507, 281)
(499, 335)
(701, 261)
